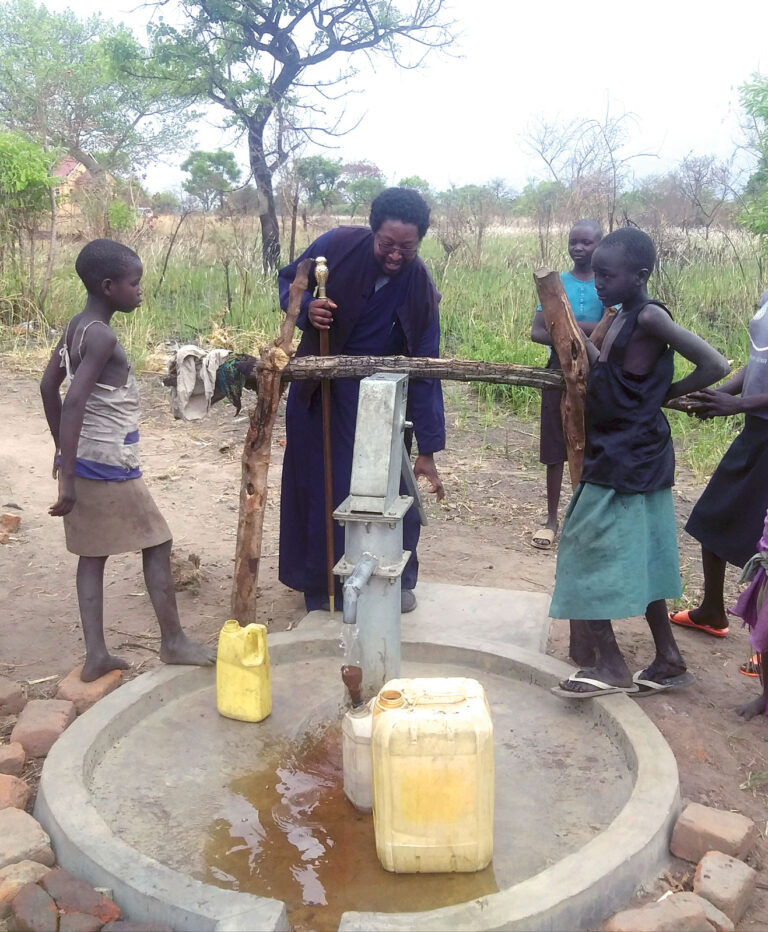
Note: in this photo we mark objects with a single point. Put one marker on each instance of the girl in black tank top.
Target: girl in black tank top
(618, 551)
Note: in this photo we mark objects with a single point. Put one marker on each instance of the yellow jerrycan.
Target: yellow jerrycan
(243, 689)
(433, 775)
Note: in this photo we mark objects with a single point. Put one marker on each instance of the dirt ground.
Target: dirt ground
(479, 536)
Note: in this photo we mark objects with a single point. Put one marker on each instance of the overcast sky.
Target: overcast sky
(675, 64)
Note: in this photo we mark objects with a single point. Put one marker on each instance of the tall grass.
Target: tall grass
(486, 310)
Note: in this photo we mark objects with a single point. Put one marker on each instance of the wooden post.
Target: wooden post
(255, 459)
(568, 343)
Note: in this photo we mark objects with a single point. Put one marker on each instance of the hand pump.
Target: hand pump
(321, 277)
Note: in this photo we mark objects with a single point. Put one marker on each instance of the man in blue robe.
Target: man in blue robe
(381, 301)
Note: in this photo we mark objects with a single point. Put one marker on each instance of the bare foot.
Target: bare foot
(750, 709)
(604, 674)
(184, 651)
(699, 617)
(661, 669)
(94, 667)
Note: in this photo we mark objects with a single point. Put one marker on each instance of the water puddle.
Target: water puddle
(288, 831)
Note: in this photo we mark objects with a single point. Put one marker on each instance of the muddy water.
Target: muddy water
(289, 832)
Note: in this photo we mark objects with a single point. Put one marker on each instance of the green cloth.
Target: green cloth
(616, 554)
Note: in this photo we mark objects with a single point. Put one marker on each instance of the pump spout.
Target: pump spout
(354, 584)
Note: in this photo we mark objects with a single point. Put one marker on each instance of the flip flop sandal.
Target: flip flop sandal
(684, 620)
(648, 687)
(751, 667)
(600, 688)
(543, 538)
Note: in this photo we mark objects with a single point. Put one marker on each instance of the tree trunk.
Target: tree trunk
(569, 346)
(294, 215)
(255, 459)
(262, 177)
(51, 253)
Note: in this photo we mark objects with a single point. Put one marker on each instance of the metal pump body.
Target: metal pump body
(372, 517)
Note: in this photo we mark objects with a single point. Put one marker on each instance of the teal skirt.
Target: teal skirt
(616, 554)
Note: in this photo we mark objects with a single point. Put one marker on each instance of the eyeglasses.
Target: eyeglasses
(387, 247)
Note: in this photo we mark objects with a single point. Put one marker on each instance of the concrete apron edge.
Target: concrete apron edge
(143, 888)
(578, 891)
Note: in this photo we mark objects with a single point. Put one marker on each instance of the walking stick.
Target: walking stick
(321, 277)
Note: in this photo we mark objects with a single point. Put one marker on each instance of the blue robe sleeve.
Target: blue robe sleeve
(287, 274)
(425, 396)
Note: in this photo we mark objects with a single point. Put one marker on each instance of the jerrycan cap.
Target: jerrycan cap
(391, 699)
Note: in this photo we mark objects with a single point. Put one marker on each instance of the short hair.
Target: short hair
(403, 204)
(593, 225)
(637, 246)
(103, 258)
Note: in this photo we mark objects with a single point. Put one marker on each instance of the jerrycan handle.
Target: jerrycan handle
(452, 697)
(255, 645)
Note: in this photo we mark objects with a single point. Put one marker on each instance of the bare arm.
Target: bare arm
(711, 366)
(725, 399)
(97, 350)
(540, 334)
(49, 391)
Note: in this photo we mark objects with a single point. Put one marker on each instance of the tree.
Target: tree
(542, 200)
(360, 193)
(586, 157)
(753, 95)
(25, 195)
(211, 176)
(85, 87)
(416, 183)
(166, 202)
(319, 177)
(266, 62)
(705, 184)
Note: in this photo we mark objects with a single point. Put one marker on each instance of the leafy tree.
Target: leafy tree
(25, 196)
(471, 208)
(360, 192)
(417, 184)
(211, 176)
(86, 88)
(542, 200)
(166, 202)
(122, 216)
(754, 100)
(266, 64)
(352, 171)
(319, 177)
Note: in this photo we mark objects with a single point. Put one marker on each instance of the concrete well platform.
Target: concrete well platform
(138, 788)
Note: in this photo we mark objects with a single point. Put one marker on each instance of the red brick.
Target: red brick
(84, 695)
(715, 917)
(664, 916)
(14, 793)
(75, 896)
(40, 724)
(12, 699)
(22, 839)
(34, 910)
(726, 882)
(79, 922)
(701, 828)
(9, 522)
(12, 759)
(14, 877)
